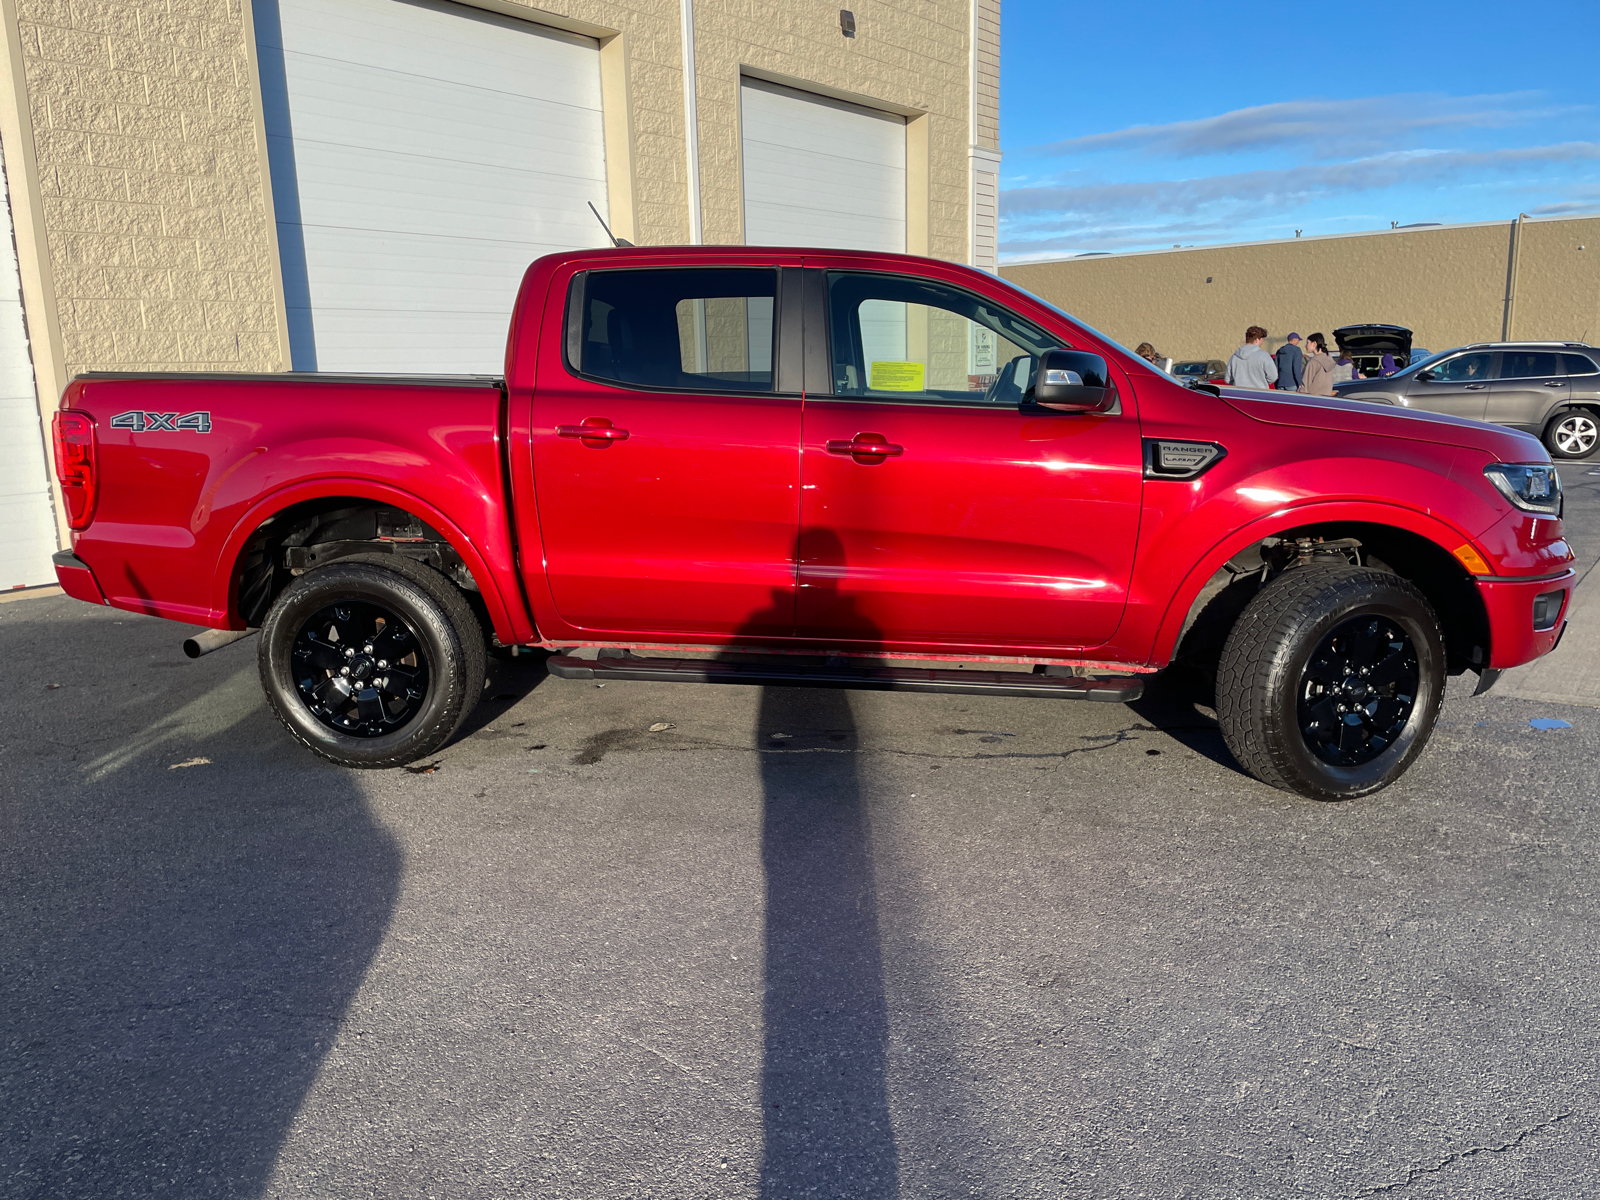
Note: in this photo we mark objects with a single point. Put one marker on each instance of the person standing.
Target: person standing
(1318, 377)
(1148, 352)
(1291, 365)
(1250, 366)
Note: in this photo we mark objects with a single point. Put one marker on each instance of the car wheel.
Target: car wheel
(1330, 681)
(1572, 434)
(372, 663)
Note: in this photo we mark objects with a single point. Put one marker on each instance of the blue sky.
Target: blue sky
(1145, 124)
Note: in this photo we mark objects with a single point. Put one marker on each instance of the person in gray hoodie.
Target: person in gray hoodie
(1291, 365)
(1251, 366)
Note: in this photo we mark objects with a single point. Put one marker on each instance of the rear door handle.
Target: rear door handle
(867, 445)
(1475, 387)
(593, 429)
(1555, 383)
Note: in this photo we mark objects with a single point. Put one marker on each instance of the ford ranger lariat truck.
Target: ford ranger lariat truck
(800, 467)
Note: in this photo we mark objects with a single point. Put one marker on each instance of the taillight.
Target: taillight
(74, 436)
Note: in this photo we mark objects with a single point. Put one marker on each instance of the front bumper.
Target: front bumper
(76, 579)
(1513, 640)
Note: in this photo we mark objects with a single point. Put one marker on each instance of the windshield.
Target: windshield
(1417, 364)
(1191, 368)
(1085, 326)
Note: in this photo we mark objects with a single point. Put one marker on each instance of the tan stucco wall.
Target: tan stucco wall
(1448, 285)
(147, 151)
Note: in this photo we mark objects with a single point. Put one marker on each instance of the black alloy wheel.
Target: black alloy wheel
(372, 661)
(1331, 679)
(360, 669)
(1358, 690)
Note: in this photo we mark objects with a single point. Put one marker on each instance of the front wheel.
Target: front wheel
(1331, 680)
(1572, 434)
(372, 664)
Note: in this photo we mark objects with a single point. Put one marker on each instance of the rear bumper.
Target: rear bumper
(1513, 640)
(76, 579)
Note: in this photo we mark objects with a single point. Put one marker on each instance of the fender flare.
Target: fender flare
(510, 623)
(1436, 530)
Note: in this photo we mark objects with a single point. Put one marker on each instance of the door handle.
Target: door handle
(867, 445)
(1474, 387)
(594, 429)
(1555, 383)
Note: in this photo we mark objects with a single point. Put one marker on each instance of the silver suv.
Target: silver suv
(1551, 389)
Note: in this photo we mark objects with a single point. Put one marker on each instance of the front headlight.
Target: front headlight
(1532, 487)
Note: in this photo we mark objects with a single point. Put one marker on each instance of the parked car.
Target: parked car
(1365, 346)
(1203, 370)
(781, 459)
(1550, 389)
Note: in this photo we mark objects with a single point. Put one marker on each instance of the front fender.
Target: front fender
(1441, 533)
(1189, 529)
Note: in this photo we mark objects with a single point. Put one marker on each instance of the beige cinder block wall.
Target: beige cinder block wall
(146, 150)
(1447, 284)
(149, 171)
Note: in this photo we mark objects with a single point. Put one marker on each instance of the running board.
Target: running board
(1118, 690)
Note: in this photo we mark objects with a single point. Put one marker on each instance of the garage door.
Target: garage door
(422, 155)
(820, 172)
(27, 521)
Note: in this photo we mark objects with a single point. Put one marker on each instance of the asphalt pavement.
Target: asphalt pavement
(795, 943)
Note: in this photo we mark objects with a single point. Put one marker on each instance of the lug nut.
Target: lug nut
(344, 670)
(350, 653)
(383, 664)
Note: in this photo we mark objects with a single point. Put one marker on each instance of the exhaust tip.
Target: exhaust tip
(213, 639)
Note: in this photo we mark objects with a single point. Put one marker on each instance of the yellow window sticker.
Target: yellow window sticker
(896, 377)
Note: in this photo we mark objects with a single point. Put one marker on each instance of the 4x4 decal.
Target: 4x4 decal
(162, 422)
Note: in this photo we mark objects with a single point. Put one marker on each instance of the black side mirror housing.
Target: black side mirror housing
(1425, 376)
(1073, 381)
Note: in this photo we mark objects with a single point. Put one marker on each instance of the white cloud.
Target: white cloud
(1318, 128)
(1251, 191)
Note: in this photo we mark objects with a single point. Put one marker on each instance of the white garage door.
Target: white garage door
(422, 155)
(820, 172)
(27, 521)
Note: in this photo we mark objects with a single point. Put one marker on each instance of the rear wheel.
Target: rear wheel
(1572, 434)
(1331, 680)
(372, 663)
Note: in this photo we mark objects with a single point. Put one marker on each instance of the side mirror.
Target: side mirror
(1425, 377)
(1073, 381)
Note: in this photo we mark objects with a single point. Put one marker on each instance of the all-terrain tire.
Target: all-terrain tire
(1274, 703)
(445, 640)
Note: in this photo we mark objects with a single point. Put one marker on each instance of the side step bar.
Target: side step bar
(1120, 690)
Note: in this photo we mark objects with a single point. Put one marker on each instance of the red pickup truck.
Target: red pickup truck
(801, 467)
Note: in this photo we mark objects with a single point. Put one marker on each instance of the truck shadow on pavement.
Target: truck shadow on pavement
(188, 903)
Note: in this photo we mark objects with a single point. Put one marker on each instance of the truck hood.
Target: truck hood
(1354, 416)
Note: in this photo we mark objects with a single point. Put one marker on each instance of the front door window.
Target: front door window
(899, 338)
(1458, 386)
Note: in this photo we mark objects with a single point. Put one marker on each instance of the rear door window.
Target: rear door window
(1529, 364)
(700, 330)
(1579, 364)
(1464, 368)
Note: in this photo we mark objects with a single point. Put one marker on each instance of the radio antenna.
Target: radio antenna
(619, 243)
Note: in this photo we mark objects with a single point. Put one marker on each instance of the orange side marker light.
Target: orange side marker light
(1471, 559)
